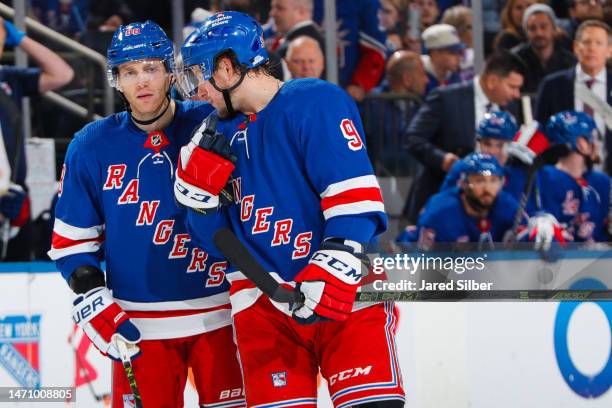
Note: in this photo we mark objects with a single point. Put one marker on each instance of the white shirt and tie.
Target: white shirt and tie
(482, 104)
(599, 86)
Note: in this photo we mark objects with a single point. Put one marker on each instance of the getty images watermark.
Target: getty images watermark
(398, 273)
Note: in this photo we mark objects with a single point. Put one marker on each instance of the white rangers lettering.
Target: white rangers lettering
(60, 189)
(198, 261)
(301, 245)
(282, 229)
(261, 224)
(114, 179)
(178, 249)
(130, 194)
(148, 209)
(163, 231)
(246, 208)
(237, 186)
(216, 274)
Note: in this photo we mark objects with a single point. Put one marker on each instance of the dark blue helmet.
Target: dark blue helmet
(138, 41)
(229, 30)
(480, 163)
(567, 126)
(497, 125)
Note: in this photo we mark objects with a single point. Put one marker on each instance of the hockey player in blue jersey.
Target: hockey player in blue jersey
(577, 195)
(493, 135)
(304, 191)
(477, 210)
(165, 298)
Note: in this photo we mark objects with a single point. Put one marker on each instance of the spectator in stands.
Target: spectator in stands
(66, 16)
(540, 53)
(17, 83)
(386, 119)
(460, 17)
(564, 90)
(293, 19)
(197, 17)
(444, 127)
(444, 52)
(304, 58)
(583, 10)
(392, 17)
(429, 12)
(512, 33)
(361, 45)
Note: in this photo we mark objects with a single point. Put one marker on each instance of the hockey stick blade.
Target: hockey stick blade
(239, 256)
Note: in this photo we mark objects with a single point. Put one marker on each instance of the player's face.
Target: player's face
(494, 147)
(593, 49)
(505, 89)
(483, 188)
(145, 85)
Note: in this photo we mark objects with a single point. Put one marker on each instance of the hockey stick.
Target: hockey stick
(129, 370)
(238, 255)
(548, 156)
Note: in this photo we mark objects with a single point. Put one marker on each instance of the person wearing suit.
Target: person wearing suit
(443, 130)
(557, 91)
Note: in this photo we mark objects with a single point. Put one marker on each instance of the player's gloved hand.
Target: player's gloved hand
(103, 321)
(544, 229)
(329, 282)
(205, 166)
(11, 203)
(528, 143)
(13, 36)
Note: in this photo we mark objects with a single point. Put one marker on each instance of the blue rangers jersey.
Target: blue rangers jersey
(444, 220)
(582, 205)
(302, 175)
(116, 200)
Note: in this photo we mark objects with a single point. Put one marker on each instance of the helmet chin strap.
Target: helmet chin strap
(226, 92)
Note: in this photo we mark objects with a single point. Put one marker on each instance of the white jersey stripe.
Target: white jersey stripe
(359, 207)
(350, 184)
(208, 302)
(76, 233)
(182, 326)
(56, 253)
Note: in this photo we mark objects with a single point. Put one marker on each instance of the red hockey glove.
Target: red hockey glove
(329, 282)
(205, 166)
(104, 322)
(528, 143)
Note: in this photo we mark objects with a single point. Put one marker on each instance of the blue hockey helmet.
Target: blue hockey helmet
(229, 30)
(138, 41)
(480, 163)
(497, 125)
(567, 126)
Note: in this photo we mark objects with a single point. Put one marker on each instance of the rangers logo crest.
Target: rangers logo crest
(128, 401)
(19, 348)
(279, 379)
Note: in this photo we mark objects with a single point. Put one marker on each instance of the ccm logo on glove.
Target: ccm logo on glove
(327, 260)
